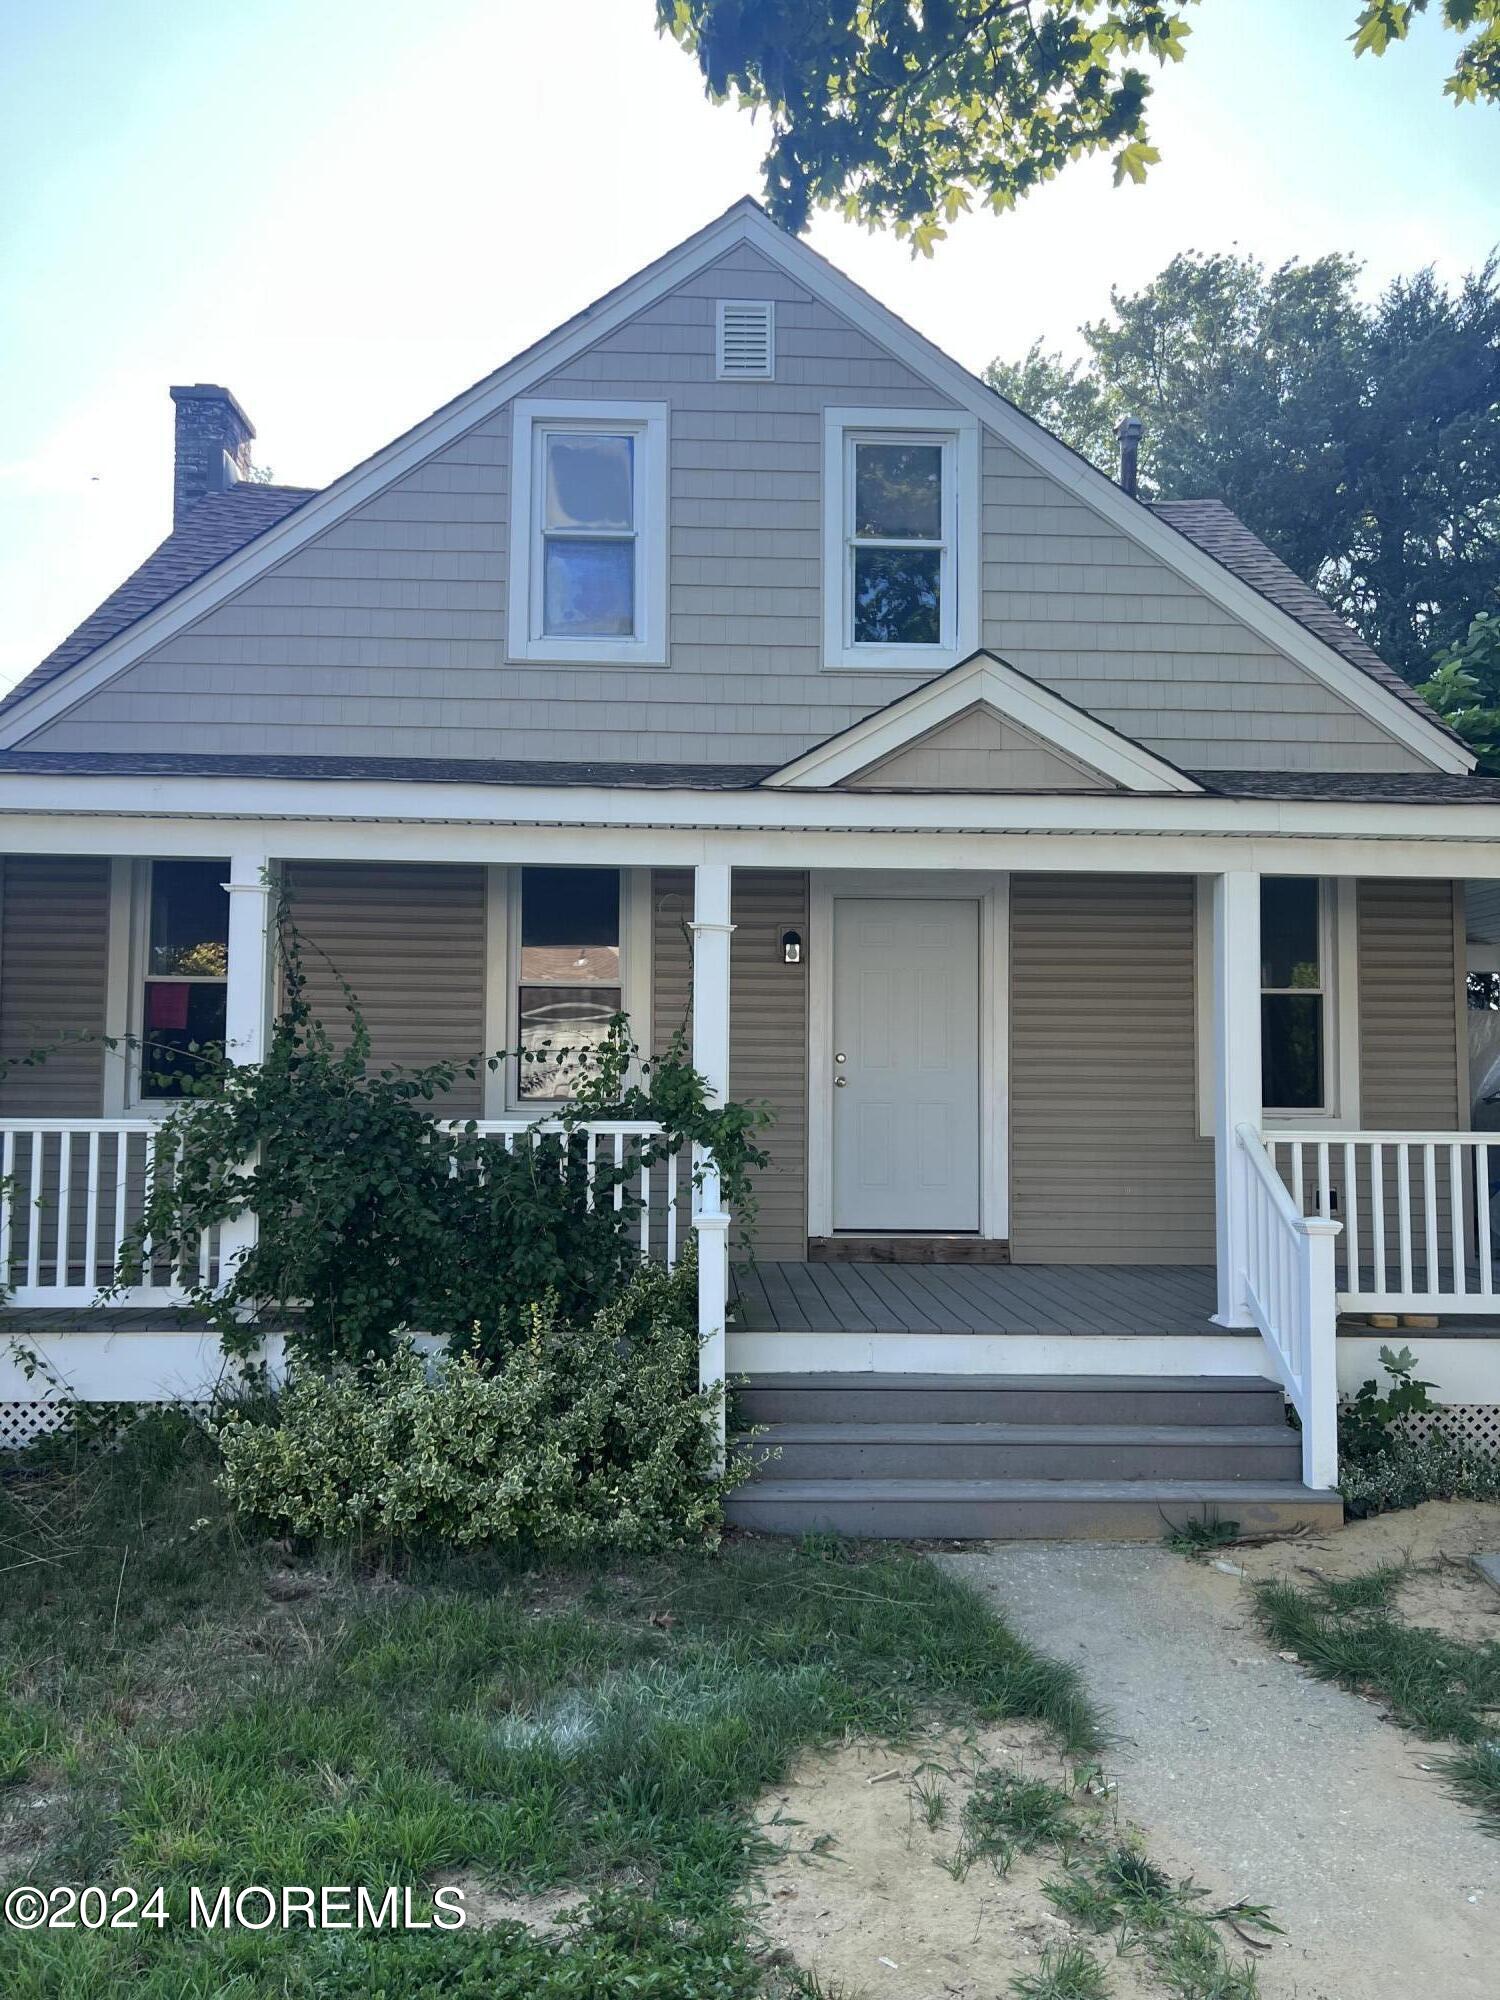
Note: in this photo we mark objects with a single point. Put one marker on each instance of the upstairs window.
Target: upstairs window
(1293, 994)
(900, 540)
(186, 972)
(588, 533)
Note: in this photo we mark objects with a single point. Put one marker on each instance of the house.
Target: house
(1086, 898)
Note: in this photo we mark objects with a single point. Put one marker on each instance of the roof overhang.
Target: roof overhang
(747, 222)
(987, 681)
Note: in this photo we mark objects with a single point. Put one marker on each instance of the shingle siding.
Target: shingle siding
(385, 636)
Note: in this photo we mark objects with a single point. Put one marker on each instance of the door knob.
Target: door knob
(841, 1083)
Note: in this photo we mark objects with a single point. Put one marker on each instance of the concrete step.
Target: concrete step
(1093, 1452)
(854, 1398)
(1025, 1509)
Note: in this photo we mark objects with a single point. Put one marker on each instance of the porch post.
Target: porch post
(1237, 1083)
(711, 931)
(247, 1004)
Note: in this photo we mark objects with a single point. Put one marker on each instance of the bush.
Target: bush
(579, 1439)
(1406, 1471)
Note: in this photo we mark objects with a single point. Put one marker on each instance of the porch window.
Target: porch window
(186, 972)
(569, 967)
(900, 542)
(588, 556)
(1293, 994)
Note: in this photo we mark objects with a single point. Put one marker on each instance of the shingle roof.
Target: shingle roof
(1432, 788)
(1211, 526)
(220, 524)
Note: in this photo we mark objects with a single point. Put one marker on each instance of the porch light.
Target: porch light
(791, 947)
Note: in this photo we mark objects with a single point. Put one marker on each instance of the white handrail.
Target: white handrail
(1289, 1289)
(1415, 1208)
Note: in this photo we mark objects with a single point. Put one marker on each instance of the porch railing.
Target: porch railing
(1289, 1288)
(73, 1190)
(1415, 1209)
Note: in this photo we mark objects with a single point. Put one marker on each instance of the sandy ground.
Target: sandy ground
(1245, 1771)
(1441, 1587)
(861, 1895)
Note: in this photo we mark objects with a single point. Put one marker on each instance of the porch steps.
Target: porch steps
(914, 1457)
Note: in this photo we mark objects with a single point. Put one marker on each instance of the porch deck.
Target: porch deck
(786, 1297)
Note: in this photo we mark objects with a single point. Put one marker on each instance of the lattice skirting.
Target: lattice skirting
(1465, 1423)
(22, 1423)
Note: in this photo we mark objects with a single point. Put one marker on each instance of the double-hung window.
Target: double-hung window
(588, 533)
(900, 539)
(1294, 994)
(185, 973)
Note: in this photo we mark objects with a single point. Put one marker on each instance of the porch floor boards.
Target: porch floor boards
(782, 1296)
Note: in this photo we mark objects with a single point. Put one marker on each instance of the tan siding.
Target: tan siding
(1409, 1058)
(386, 635)
(1106, 1162)
(978, 751)
(53, 975)
(767, 1032)
(410, 941)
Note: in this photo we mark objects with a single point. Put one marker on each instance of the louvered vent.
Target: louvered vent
(747, 340)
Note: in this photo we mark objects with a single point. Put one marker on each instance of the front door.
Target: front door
(905, 1064)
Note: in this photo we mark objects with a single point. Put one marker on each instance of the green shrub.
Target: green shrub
(1407, 1471)
(1372, 1417)
(580, 1438)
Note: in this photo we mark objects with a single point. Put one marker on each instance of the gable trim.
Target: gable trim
(1015, 697)
(747, 222)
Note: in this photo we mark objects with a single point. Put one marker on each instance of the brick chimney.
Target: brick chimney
(212, 445)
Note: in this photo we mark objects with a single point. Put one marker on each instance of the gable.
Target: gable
(372, 623)
(978, 751)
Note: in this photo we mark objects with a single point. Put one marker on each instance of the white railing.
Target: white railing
(73, 1190)
(1289, 1288)
(1415, 1209)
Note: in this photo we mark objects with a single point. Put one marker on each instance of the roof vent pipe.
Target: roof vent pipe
(1129, 430)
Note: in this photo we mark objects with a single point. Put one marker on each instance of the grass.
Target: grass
(1066, 1972)
(181, 1706)
(1200, 1535)
(1349, 1630)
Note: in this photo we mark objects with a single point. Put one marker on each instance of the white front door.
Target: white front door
(905, 1064)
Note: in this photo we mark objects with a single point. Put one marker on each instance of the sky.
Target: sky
(348, 210)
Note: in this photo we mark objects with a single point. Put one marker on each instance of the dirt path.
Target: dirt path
(1245, 1771)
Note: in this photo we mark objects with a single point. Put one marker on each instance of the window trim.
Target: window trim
(1338, 921)
(138, 961)
(531, 419)
(502, 1098)
(957, 432)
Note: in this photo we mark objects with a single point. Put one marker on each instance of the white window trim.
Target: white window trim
(502, 1098)
(957, 431)
(130, 952)
(525, 640)
(1338, 927)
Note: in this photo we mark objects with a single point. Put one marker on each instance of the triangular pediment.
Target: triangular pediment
(982, 727)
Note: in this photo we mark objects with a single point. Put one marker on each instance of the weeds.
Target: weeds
(1200, 1535)
(1066, 1972)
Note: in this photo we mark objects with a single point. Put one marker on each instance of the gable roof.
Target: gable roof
(984, 679)
(1344, 667)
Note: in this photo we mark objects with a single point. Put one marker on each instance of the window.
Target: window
(569, 972)
(588, 533)
(186, 970)
(1293, 994)
(900, 539)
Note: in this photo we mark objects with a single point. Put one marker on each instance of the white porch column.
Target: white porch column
(1237, 1084)
(711, 931)
(247, 1003)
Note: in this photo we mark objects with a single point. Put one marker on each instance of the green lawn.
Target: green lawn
(182, 1707)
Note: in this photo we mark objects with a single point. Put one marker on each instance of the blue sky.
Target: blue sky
(349, 209)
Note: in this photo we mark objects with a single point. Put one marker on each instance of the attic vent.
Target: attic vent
(747, 340)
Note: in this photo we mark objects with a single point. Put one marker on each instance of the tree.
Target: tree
(1361, 441)
(908, 112)
(1465, 688)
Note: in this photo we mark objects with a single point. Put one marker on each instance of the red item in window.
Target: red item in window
(167, 1004)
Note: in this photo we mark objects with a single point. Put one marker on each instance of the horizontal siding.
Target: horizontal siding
(1106, 1162)
(767, 1027)
(54, 944)
(409, 941)
(1409, 1057)
(386, 635)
